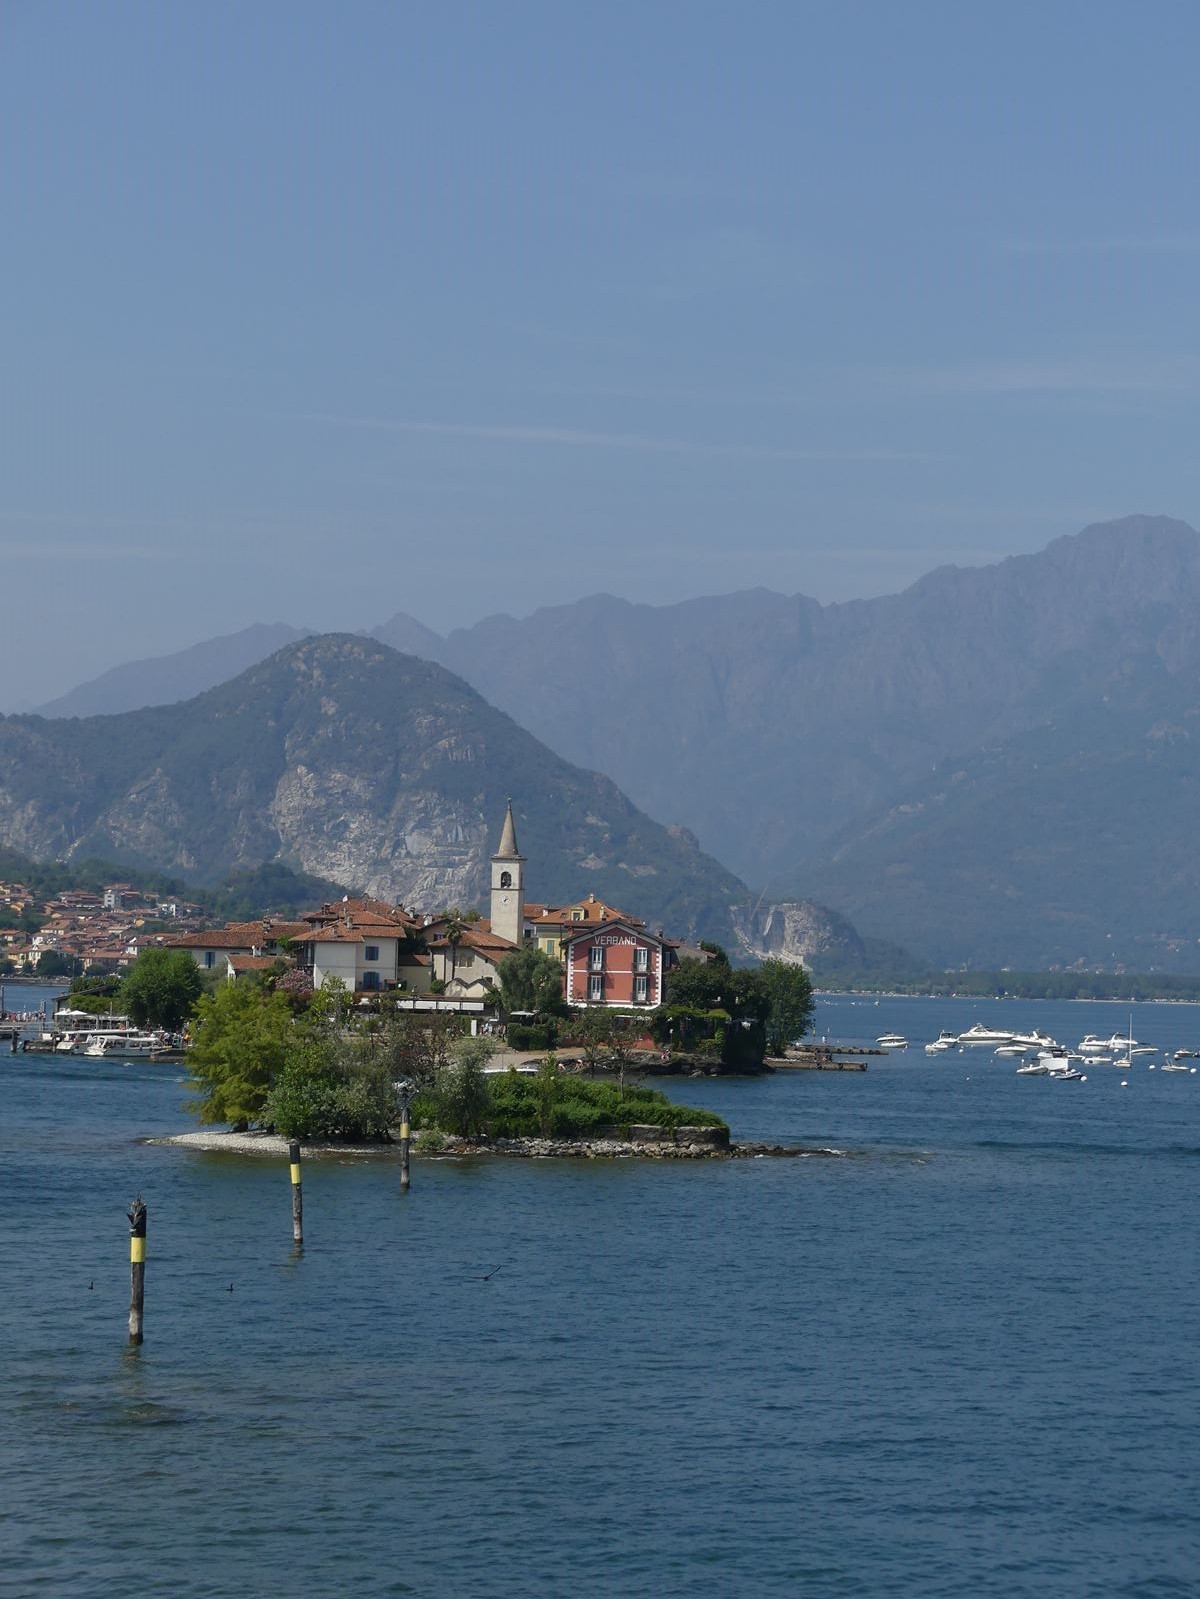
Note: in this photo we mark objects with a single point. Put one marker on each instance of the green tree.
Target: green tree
(594, 1032)
(51, 963)
(531, 980)
(243, 1037)
(789, 991)
(332, 1086)
(161, 987)
(462, 1095)
(700, 985)
(548, 1092)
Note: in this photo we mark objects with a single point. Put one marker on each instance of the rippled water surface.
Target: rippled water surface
(958, 1358)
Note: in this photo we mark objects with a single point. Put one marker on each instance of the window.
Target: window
(371, 952)
(641, 990)
(370, 980)
(596, 958)
(505, 879)
(578, 915)
(208, 957)
(641, 959)
(596, 986)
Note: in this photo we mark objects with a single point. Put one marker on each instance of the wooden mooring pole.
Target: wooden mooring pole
(297, 1195)
(137, 1268)
(405, 1098)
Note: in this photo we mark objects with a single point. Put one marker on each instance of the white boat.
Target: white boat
(1176, 1066)
(1056, 1059)
(979, 1034)
(943, 1043)
(1034, 1040)
(1091, 1045)
(1035, 1068)
(124, 1046)
(892, 1041)
(1014, 1049)
(1067, 1075)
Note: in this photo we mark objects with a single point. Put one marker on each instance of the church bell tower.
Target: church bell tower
(508, 885)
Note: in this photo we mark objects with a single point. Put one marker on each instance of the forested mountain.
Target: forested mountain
(342, 758)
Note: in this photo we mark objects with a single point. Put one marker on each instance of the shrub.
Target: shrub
(521, 1107)
(532, 1035)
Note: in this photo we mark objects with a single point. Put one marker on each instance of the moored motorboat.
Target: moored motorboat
(892, 1041)
(979, 1034)
(942, 1044)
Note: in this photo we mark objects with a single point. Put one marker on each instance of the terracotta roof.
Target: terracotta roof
(480, 938)
(594, 911)
(252, 963)
(376, 911)
(238, 935)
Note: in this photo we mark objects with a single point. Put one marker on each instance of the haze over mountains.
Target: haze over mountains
(372, 769)
(997, 766)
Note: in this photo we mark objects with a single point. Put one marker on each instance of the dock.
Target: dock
(826, 1058)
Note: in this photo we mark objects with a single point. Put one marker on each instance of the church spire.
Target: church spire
(508, 885)
(508, 850)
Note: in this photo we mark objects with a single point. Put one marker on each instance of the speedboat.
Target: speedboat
(1035, 1068)
(1034, 1040)
(1014, 1049)
(1176, 1066)
(1091, 1045)
(892, 1041)
(1067, 1075)
(979, 1034)
(942, 1043)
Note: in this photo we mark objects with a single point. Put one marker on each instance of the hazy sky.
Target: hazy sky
(318, 312)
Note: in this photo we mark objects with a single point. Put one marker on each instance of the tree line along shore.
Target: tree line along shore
(266, 1052)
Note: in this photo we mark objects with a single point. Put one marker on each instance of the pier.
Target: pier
(826, 1058)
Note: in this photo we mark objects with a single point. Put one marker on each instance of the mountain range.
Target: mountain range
(342, 758)
(969, 767)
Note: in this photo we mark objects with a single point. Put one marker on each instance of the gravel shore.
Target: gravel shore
(256, 1143)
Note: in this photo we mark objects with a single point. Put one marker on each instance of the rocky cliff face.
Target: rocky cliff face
(342, 758)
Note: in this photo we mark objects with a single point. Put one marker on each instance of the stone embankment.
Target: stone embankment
(609, 1143)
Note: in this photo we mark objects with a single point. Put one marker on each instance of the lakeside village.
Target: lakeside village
(497, 1025)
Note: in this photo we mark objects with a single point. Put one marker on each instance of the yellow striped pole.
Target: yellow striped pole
(137, 1268)
(405, 1095)
(297, 1197)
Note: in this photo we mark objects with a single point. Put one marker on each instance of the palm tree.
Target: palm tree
(456, 926)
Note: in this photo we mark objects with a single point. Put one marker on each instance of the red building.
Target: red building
(616, 963)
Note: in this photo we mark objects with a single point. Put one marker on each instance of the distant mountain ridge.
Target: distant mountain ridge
(174, 677)
(783, 732)
(344, 759)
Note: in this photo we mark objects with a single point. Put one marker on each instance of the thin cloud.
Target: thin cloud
(574, 438)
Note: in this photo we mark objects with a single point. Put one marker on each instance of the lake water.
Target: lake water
(956, 1359)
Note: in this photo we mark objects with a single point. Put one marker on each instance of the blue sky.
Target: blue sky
(316, 313)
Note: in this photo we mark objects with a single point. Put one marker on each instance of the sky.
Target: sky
(314, 313)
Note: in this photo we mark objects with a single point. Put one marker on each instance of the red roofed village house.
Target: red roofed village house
(608, 957)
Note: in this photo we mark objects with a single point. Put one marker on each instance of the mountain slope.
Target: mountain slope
(1070, 842)
(766, 722)
(347, 760)
(163, 679)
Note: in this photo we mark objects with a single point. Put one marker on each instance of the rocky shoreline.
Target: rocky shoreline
(677, 1146)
